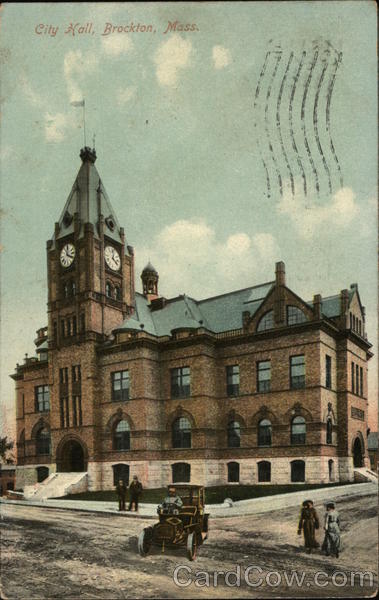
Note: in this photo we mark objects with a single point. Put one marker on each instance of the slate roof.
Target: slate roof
(89, 198)
(217, 314)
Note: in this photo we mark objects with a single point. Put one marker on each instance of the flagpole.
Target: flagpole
(84, 121)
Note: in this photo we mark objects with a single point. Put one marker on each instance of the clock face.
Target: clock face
(112, 258)
(67, 255)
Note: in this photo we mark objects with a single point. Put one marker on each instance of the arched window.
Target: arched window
(297, 471)
(108, 290)
(181, 473)
(66, 290)
(331, 469)
(42, 473)
(181, 433)
(234, 434)
(117, 292)
(264, 471)
(43, 441)
(264, 433)
(73, 287)
(120, 471)
(266, 322)
(295, 315)
(298, 430)
(233, 472)
(121, 437)
(329, 430)
(21, 445)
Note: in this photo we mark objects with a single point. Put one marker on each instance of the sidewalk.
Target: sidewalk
(240, 508)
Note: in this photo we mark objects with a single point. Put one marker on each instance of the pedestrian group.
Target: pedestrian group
(135, 491)
(309, 523)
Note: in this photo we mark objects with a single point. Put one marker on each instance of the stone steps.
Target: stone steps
(57, 485)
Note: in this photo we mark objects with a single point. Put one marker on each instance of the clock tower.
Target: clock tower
(90, 265)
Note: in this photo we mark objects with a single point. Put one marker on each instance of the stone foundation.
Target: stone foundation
(155, 474)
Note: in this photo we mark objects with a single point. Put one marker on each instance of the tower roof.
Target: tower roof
(89, 199)
(149, 269)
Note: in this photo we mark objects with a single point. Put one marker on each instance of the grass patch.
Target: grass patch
(213, 495)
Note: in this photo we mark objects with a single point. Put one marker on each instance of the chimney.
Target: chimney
(344, 299)
(317, 301)
(280, 273)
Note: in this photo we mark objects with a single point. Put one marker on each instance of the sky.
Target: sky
(229, 136)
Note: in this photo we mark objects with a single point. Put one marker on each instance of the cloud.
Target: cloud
(114, 45)
(171, 57)
(192, 260)
(311, 218)
(58, 126)
(125, 94)
(221, 57)
(76, 66)
(32, 96)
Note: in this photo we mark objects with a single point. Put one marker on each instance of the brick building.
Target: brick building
(254, 386)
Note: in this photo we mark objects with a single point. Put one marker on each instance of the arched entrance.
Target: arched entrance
(71, 457)
(358, 453)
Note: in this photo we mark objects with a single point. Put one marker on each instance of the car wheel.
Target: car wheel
(144, 541)
(191, 546)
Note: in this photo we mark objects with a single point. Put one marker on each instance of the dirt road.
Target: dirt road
(52, 553)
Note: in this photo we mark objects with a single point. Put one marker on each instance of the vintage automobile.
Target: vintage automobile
(186, 526)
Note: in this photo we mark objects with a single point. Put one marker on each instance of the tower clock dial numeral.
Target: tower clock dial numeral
(67, 255)
(112, 258)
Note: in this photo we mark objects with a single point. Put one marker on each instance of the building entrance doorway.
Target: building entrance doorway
(72, 458)
(358, 453)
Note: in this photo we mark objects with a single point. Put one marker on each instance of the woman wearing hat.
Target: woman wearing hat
(332, 541)
(308, 523)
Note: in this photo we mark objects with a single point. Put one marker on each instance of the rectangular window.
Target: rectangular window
(76, 374)
(357, 379)
(77, 411)
(328, 371)
(55, 330)
(74, 331)
(264, 376)
(120, 386)
(361, 381)
(297, 372)
(42, 398)
(68, 327)
(64, 412)
(180, 382)
(232, 380)
(63, 329)
(352, 377)
(63, 375)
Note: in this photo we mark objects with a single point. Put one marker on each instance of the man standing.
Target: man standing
(121, 493)
(135, 490)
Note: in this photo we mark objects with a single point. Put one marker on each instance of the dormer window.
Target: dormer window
(295, 315)
(267, 321)
(109, 221)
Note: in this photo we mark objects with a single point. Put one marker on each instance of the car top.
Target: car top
(193, 486)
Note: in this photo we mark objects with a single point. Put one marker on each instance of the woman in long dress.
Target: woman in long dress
(308, 523)
(332, 541)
